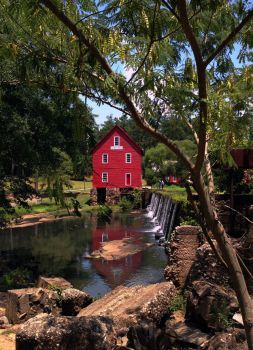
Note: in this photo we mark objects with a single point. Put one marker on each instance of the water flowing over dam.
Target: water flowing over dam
(163, 212)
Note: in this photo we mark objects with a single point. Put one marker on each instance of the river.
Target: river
(59, 248)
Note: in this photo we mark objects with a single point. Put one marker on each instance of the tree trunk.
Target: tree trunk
(229, 255)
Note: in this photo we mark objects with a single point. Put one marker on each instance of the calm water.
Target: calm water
(58, 249)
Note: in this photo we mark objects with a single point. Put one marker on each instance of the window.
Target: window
(116, 140)
(128, 157)
(104, 158)
(128, 179)
(116, 143)
(104, 177)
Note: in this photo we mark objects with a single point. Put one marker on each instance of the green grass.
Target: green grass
(80, 185)
(176, 193)
(75, 185)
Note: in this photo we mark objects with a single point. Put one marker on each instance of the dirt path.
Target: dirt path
(35, 219)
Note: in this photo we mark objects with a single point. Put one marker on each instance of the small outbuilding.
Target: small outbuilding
(117, 162)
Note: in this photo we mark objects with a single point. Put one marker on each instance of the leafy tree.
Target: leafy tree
(178, 52)
(162, 162)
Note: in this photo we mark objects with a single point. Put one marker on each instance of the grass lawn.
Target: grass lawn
(45, 205)
(176, 193)
(75, 185)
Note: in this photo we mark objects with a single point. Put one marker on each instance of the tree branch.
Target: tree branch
(184, 20)
(229, 38)
(139, 119)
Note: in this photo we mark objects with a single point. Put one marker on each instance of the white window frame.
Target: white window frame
(116, 138)
(103, 179)
(126, 184)
(126, 160)
(105, 154)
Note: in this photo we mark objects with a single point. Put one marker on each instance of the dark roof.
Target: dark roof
(122, 131)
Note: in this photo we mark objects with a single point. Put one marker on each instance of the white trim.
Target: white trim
(105, 154)
(126, 184)
(116, 147)
(128, 154)
(114, 143)
(103, 179)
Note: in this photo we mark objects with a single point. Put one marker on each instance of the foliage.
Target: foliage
(160, 162)
(18, 278)
(125, 203)
(58, 290)
(220, 314)
(178, 302)
(187, 215)
(104, 213)
(137, 199)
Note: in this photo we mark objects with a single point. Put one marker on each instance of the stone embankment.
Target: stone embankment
(108, 323)
(56, 316)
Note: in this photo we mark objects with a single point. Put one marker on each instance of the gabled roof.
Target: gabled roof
(124, 133)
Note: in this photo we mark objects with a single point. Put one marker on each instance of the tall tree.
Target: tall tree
(153, 38)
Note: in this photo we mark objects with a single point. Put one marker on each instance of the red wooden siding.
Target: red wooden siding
(117, 168)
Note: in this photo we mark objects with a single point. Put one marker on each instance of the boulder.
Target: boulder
(45, 332)
(73, 300)
(210, 306)
(53, 283)
(23, 304)
(128, 306)
(208, 268)
(235, 340)
(182, 333)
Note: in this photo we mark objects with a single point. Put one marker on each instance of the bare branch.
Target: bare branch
(237, 212)
(195, 135)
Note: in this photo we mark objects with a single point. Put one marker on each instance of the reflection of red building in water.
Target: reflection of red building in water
(115, 271)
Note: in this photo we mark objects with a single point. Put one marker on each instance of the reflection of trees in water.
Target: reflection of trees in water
(55, 251)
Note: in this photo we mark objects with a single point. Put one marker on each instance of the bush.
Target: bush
(125, 204)
(104, 213)
(137, 199)
(18, 278)
(178, 303)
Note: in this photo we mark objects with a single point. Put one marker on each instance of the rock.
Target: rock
(181, 333)
(235, 340)
(3, 321)
(128, 306)
(73, 300)
(25, 303)
(238, 318)
(207, 268)
(210, 305)
(53, 282)
(45, 332)
(144, 336)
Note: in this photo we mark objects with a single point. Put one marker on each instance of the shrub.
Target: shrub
(178, 303)
(17, 278)
(125, 204)
(104, 213)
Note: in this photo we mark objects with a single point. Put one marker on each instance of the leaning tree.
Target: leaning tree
(176, 55)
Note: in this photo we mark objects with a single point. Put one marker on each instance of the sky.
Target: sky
(104, 110)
